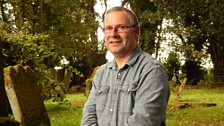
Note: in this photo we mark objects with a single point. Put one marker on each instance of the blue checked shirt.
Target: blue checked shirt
(135, 95)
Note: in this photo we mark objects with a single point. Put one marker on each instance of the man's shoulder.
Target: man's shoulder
(104, 67)
(149, 60)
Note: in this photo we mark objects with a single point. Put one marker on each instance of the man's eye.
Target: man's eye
(121, 27)
(108, 28)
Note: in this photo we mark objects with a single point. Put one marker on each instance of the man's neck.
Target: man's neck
(122, 60)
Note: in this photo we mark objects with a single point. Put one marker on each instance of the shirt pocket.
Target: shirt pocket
(127, 97)
(101, 97)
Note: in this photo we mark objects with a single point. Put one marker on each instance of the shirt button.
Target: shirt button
(119, 76)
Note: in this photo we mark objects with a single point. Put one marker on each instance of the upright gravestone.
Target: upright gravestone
(24, 97)
(181, 88)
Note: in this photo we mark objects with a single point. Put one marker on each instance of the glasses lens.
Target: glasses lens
(118, 28)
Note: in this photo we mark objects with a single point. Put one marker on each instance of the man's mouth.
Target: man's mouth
(115, 41)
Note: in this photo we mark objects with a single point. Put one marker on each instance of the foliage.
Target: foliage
(72, 25)
(39, 32)
(198, 23)
(190, 39)
(172, 65)
(194, 72)
(31, 50)
(73, 31)
(150, 19)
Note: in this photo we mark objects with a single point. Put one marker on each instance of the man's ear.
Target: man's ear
(137, 31)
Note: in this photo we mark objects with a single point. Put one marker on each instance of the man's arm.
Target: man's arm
(151, 98)
(89, 117)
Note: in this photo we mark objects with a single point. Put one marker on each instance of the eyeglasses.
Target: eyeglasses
(118, 28)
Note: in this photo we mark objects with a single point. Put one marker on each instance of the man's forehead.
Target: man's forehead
(116, 16)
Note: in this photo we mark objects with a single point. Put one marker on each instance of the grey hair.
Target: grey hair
(133, 18)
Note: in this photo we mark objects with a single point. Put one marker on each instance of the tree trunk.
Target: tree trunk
(159, 39)
(4, 106)
(216, 50)
(2, 11)
(91, 18)
(218, 66)
(41, 17)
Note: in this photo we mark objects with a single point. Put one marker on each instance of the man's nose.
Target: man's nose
(114, 32)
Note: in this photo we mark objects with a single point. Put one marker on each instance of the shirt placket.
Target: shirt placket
(114, 96)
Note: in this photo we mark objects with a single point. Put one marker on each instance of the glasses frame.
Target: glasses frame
(119, 28)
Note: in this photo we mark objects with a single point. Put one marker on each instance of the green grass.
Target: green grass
(70, 112)
(198, 115)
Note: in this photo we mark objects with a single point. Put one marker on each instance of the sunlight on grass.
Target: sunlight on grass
(69, 113)
(198, 115)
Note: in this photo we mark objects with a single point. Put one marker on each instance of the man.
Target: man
(131, 90)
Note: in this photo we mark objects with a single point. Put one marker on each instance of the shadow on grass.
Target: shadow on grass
(57, 106)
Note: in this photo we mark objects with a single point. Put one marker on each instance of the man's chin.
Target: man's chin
(114, 51)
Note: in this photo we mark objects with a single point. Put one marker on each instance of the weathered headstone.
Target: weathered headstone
(181, 88)
(24, 97)
(67, 78)
(88, 87)
(89, 82)
(173, 84)
(61, 76)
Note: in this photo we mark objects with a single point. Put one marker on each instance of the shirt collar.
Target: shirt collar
(132, 60)
(134, 56)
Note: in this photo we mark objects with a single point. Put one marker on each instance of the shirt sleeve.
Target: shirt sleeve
(89, 117)
(151, 98)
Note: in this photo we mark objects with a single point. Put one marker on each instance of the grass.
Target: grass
(69, 113)
(197, 115)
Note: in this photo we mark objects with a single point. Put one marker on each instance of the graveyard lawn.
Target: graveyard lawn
(195, 107)
(68, 112)
(198, 106)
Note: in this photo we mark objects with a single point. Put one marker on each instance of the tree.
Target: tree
(172, 65)
(150, 21)
(40, 32)
(203, 22)
(4, 106)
